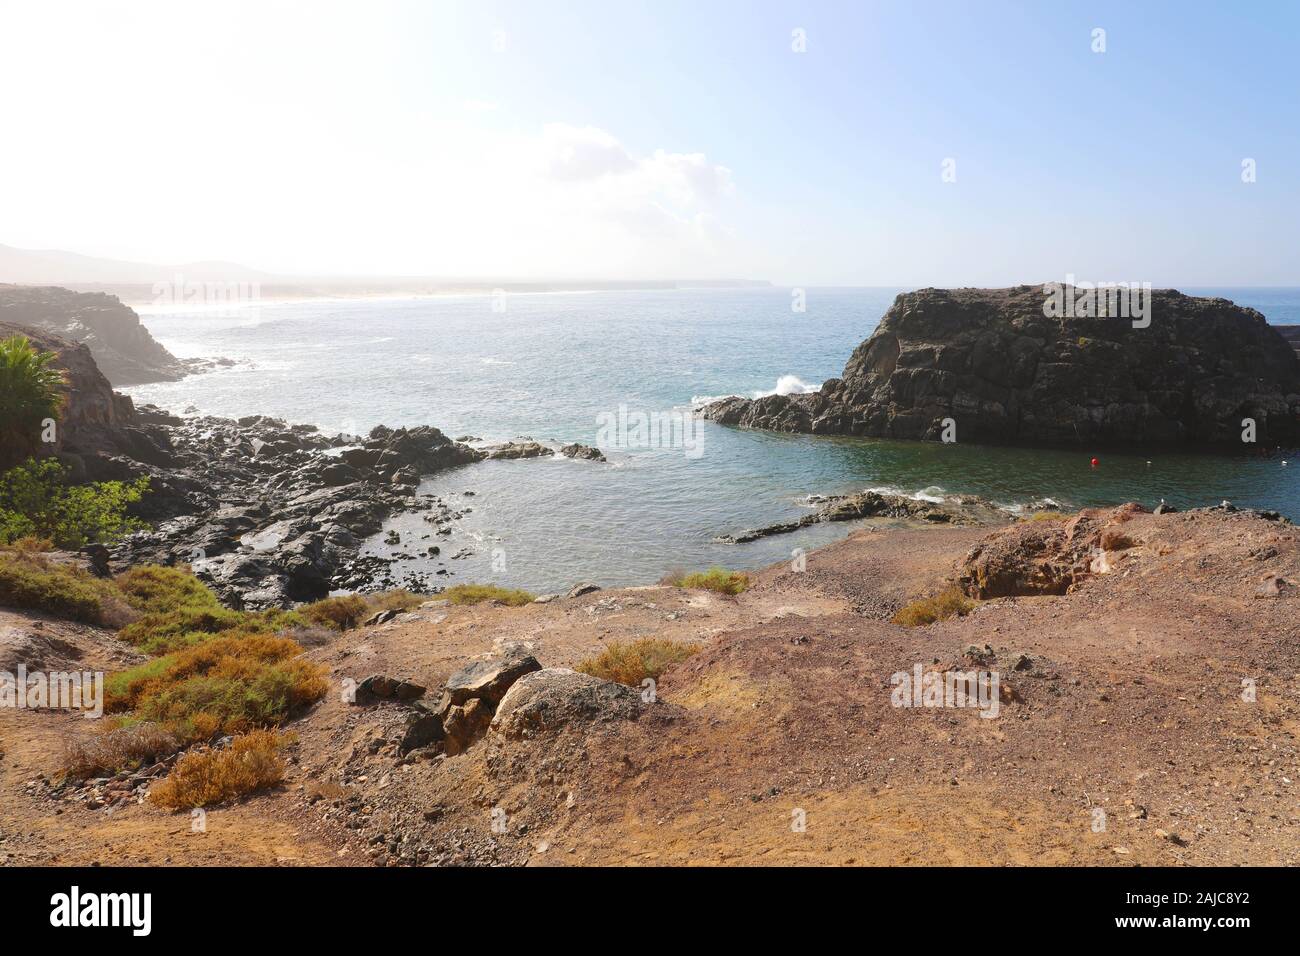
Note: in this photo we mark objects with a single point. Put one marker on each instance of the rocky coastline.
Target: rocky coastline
(988, 365)
(968, 510)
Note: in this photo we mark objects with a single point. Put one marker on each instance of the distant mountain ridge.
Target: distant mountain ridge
(135, 282)
(56, 267)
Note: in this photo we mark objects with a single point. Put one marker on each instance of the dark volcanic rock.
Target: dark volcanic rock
(267, 513)
(123, 348)
(993, 362)
(521, 449)
(968, 510)
(585, 452)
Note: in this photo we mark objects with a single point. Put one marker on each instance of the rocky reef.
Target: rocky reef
(270, 514)
(967, 510)
(122, 348)
(998, 367)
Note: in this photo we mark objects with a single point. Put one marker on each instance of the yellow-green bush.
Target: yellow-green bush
(631, 662)
(949, 603)
(155, 589)
(31, 581)
(252, 762)
(232, 682)
(478, 593)
(714, 579)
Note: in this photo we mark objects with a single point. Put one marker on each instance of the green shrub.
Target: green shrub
(715, 579)
(154, 588)
(37, 501)
(949, 603)
(229, 683)
(30, 393)
(477, 593)
(29, 580)
(398, 599)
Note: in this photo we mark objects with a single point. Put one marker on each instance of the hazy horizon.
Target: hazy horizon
(809, 145)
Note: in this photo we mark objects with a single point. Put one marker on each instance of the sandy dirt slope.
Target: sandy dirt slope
(1124, 737)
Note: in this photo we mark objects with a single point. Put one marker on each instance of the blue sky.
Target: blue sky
(621, 139)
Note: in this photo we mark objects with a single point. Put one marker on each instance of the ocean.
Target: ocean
(559, 366)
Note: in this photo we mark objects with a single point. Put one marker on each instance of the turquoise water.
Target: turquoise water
(550, 365)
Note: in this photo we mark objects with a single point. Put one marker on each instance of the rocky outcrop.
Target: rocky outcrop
(1054, 556)
(123, 348)
(870, 504)
(270, 514)
(469, 700)
(512, 450)
(994, 363)
(585, 452)
(95, 420)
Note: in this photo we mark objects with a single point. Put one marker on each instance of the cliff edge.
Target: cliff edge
(123, 348)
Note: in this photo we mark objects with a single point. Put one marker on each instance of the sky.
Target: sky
(806, 143)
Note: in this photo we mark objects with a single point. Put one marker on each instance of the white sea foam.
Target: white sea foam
(790, 385)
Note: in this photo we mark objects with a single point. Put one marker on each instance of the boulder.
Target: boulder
(489, 680)
(585, 452)
(578, 590)
(463, 725)
(555, 697)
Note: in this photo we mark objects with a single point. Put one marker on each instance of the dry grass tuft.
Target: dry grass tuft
(631, 662)
(337, 613)
(398, 599)
(120, 748)
(252, 762)
(715, 579)
(940, 607)
(478, 593)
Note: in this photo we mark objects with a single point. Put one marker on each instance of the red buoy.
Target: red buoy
(1094, 463)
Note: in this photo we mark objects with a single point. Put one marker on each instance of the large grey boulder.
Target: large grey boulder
(546, 700)
(489, 680)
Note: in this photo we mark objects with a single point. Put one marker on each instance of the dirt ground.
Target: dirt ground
(1149, 716)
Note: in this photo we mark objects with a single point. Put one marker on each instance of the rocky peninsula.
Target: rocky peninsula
(995, 366)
